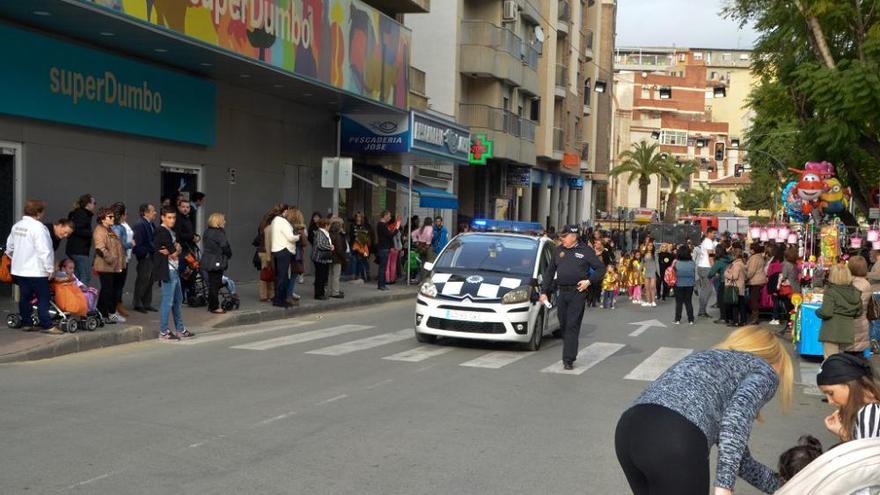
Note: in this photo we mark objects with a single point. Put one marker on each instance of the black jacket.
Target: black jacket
(216, 251)
(340, 242)
(568, 266)
(144, 232)
(56, 241)
(80, 241)
(186, 235)
(384, 237)
(162, 239)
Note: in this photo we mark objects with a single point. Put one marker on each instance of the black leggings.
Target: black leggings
(661, 452)
(684, 296)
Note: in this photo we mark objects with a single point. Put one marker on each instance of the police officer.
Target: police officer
(569, 272)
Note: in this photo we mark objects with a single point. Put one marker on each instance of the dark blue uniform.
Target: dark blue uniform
(570, 266)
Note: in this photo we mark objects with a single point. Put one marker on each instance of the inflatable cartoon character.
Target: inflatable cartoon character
(822, 169)
(809, 188)
(834, 199)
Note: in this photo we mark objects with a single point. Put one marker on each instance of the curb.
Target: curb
(86, 341)
(79, 342)
(263, 315)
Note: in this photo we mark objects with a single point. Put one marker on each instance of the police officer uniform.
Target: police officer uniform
(568, 267)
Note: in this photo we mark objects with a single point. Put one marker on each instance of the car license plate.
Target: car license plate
(452, 314)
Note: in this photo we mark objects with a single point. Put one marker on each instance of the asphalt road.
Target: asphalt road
(348, 403)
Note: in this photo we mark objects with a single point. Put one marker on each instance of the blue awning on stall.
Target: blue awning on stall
(429, 197)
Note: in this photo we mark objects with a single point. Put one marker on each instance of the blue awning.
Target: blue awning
(429, 197)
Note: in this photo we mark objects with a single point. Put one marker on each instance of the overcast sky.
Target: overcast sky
(685, 23)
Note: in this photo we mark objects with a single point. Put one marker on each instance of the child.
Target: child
(848, 382)
(610, 286)
(65, 274)
(623, 275)
(793, 460)
(636, 279)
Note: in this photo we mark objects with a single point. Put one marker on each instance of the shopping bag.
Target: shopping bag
(5, 269)
(71, 299)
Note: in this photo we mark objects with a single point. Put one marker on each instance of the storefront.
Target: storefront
(141, 100)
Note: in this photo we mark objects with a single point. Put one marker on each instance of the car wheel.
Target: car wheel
(13, 320)
(537, 334)
(425, 338)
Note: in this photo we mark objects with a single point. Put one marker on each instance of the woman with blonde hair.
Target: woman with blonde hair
(709, 398)
(841, 305)
(215, 258)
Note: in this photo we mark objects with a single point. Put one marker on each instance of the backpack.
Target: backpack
(670, 277)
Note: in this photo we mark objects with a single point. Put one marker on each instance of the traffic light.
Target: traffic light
(719, 152)
(738, 170)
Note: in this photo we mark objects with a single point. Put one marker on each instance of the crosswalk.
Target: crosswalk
(402, 348)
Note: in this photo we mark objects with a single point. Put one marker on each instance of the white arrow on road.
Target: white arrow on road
(644, 325)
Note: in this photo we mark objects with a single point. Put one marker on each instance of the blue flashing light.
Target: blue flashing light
(506, 226)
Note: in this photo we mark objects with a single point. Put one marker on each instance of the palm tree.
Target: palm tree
(677, 174)
(697, 198)
(642, 162)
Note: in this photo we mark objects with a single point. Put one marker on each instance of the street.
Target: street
(347, 403)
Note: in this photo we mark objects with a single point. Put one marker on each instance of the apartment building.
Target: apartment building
(689, 100)
(516, 77)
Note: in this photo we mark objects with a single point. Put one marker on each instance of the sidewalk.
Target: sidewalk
(17, 345)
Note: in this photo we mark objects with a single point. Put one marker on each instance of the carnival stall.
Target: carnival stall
(820, 224)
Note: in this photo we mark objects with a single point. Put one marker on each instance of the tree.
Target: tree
(697, 198)
(819, 67)
(677, 174)
(761, 194)
(641, 163)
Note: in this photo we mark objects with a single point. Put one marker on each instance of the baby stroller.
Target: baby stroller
(64, 320)
(849, 468)
(228, 297)
(196, 285)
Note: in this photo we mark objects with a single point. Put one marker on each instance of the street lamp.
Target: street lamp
(719, 92)
(600, 86)
(655, 135)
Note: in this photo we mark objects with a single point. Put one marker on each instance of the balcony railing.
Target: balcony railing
(564, 11)
(417, 81)
(502, 39)
(497, 119)
(558, 139)
(587, 41)
(561, 75)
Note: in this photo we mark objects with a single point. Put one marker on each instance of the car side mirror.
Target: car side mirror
(428, 266)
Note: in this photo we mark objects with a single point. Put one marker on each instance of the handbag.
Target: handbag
(785, 290)
(731, 295)
(267, 274)
(5, 269)
(873, 312)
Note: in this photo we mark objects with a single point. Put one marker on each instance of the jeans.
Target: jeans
(608, 298)
(82, 268)
(291, 284)
(361, 267)
(34, 287)
(172, 298)
(382, 256)
(281, 260)
(705, 287)
(684, 296)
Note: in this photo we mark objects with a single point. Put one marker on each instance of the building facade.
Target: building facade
(692, 103)
(134, 101)
(517, 77)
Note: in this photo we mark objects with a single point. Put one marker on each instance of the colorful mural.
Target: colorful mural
(342, 43)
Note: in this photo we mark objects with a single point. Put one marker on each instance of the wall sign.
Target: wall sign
(376, 133)
(576, 183)
(519, 176)
(73, 84)
(341, 43)
(481, 149)
(571, 160)
(440, 138)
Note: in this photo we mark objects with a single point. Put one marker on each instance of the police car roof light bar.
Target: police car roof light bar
(488, 225)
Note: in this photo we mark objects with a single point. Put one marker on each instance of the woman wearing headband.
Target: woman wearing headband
(848, 382)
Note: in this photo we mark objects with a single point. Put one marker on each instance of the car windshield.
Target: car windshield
(486, 252)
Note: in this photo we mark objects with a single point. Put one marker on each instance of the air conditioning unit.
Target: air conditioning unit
(511, 10)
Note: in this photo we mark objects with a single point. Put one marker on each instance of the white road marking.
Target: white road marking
(496, 360)
(332, 399)
(654, 366)
(644, 325)
(588, 357)
(377, 385)
(276, 418)
(299, 338)
(196, 445)
(234, 335)
(92, 480)
(419, 353)
(363, 344)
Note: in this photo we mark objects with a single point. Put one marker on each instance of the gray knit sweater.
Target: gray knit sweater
(721, 392)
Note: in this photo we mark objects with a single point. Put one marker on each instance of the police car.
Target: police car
(484, 285)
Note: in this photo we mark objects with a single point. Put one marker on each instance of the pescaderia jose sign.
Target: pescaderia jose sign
(74, 84)
(345, 44)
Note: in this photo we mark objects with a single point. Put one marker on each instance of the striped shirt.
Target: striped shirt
(867, 424)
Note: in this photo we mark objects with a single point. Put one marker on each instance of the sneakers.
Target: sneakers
(296, 297)
(677, 322)
(116, 318)
(690, 323)
(185, 334)
(167, 337)
(774, 322)
(653, 304)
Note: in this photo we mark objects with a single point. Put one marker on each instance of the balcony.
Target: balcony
(561, 80)
(491, 51)
(564, 17)
(513, 135)
(402, 6)
(558, 140)
(418, 98)
(587, 44)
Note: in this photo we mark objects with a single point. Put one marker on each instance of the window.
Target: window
(698, 55)
(713, 75)
(744, 57)
(535, 114)
(673, 138)
(727, 57)
(493, 253)
(682, 57)
(710, 93)
(646, 93)
(587, 91)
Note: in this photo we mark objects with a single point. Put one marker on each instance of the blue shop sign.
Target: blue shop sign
(73, 84)
(376, 133)
(440, 138)
(576, 183)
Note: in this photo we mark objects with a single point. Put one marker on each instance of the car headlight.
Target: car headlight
(428, 289)
(518, 295)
